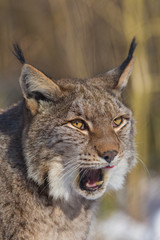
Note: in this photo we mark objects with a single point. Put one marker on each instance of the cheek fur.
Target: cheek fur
(59, 182)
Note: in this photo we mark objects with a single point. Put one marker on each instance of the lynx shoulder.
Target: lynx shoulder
(62, 147)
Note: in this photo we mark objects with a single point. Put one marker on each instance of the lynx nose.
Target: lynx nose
(109, 155)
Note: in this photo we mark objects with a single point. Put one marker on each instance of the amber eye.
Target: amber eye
(80, 124)
(117, 121)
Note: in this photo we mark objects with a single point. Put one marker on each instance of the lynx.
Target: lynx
(62, 147)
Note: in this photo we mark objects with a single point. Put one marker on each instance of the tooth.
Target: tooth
(99, 183)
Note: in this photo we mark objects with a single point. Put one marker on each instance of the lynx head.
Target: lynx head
(78, 135)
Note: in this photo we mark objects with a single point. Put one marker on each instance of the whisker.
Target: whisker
(70, 171)
(61, 178)
(144, 165)
(83, 174)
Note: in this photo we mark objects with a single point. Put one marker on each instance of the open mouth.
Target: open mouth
(90, 179)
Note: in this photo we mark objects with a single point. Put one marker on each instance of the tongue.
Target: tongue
(91, 185)
(92, 177)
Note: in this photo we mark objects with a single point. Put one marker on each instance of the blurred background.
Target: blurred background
(81, 38)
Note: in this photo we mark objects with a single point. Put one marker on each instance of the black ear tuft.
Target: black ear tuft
(17, 52)
(132, 47)
(130, 54)
(117, 78)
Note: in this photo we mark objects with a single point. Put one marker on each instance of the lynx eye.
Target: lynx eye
(80, 124)
(118, 121)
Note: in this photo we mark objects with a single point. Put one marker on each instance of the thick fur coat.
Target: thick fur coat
(65, 144)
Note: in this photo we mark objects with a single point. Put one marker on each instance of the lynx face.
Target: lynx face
(79, 136)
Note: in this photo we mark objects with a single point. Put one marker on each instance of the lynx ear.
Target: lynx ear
(117, 78)
(36, 86)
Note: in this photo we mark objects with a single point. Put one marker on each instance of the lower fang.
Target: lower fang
(99, 183)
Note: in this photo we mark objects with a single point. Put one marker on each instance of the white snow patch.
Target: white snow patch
(120, 226)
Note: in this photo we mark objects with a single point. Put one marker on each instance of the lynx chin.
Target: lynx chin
(62, 147)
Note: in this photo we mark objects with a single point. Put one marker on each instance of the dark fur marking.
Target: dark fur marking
(59, 141)
(17, 52)
(6, 204)
(130, 55)
(39, 96)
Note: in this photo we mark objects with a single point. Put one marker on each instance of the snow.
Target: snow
(120, 226)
